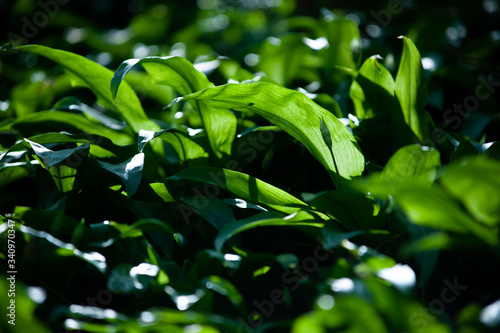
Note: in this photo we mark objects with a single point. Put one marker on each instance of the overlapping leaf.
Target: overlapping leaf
(297, 115)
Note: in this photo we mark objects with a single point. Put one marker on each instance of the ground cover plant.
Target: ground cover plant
(268, 167)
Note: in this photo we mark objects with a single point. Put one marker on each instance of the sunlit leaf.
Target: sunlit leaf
(244, 187)
(97, 78)
(411, 90)
(297, 115)
(179, 73)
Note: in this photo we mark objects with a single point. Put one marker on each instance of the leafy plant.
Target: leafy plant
(181, 222)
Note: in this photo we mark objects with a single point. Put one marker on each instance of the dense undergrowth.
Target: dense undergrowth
(305, 186)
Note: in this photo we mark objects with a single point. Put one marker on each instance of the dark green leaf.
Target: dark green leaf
(130, 172)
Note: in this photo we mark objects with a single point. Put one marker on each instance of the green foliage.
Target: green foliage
(305, 184)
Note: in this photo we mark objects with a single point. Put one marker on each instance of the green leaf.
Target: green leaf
(411, 90)
(413, 163)
(59, 121)
(63, 137)
(214, 210)
(225, 288)
(345, 43)
(66, 249)
(179, 73)
(74, 104)
(372, 92)
(476, 184)
(50, 157)
(353, 210)
(190, 153)
(64, 177)
(130, 172)
(300, 218)
(296, 114)
(162, 191)
(97, 78)
(244, 187)
(432, 207)
(282, 61)
(345, 313)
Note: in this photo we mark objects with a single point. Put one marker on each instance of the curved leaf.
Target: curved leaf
(372, 92)
(96, 77)
(411, 90)
(179, 73)
(244, 187)
(130, 172)
(296, 114)
(60, 120)
(300, 218)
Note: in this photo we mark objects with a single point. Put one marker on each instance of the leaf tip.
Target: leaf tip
(177, 100)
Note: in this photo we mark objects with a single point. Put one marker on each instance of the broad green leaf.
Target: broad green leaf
(345, 313)
(130, 172)
(372, 92)
(413, 163)
(190, 153)
(296, 114)
(162, 191)
(345, 44)
(49, 157)
(244, 187)
(63, 176)
(476, 184)
(179, 73)
(283, 59)
(434, 208)
(97, 78)
(411, 90)
(60, 121)
(74, 104)
(300, 218)
(10, 173)
(214, 210)
(64, 137)
(353, 210)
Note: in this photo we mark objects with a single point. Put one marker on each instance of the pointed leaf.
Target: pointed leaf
(372, 92)
(413, 163)
(214, 210)
(130, 172)
(97, 78)
(411, 90)
(296, 114)
(66, 121)
(179, 73)
(477, 185)
(50, 157)
(300, 218)
(244, 187)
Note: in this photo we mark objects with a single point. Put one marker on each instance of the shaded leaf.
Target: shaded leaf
(477, 185)
(130, 172)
